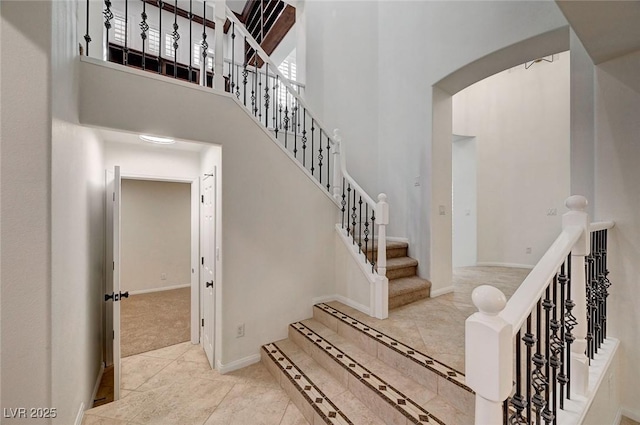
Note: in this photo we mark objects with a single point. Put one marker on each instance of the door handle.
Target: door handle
(209, 284)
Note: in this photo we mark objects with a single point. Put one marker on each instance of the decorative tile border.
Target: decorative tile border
(410, 409)
(422, 359)
(316, 398)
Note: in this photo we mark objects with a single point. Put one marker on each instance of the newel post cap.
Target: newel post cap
(382, 197)
(337, 135)
(576, 203)
(489, 300)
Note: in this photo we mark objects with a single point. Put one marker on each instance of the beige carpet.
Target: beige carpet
(154, 320)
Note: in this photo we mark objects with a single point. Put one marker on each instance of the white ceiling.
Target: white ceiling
(608, 28)
(131, 138)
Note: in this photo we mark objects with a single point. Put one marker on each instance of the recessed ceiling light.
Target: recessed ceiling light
(157, 140)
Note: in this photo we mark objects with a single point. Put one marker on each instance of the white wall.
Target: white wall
(156, 235)
(520, 118)
(617, 102)
(465, 202)
(272, 212)
(25, 214)
(411, 47)
(606, 401)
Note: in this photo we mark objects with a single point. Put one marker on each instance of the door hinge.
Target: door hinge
(202, 198)
(113, 265)
(113, 334)
(114, 197)
(202, 322)
(202, 260)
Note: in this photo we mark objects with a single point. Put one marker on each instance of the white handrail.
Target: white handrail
(265, 57)
(524, 300)
(601, 225)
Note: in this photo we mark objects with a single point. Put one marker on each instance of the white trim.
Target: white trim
(323, 299)
(441, 291)
(80, 415)
(618, 418)
(237, 364)
(360, 307)
(634, 416)
(396, 239)
(96, 387)
(576, 409)
(497, 264)
(166, 288)
(134, 176)
(601, 225)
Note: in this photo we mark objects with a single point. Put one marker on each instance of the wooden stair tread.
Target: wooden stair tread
(390, 245)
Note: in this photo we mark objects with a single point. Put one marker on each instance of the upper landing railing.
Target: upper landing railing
(526, 357)
(193, 48)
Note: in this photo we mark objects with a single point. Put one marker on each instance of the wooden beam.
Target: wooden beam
(169, 7)
(282, 26)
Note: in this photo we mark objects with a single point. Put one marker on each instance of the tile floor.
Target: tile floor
(175, 385)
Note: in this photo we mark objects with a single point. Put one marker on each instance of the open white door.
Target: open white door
(209, 261)
(113, 295)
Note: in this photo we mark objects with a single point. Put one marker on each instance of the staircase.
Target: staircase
(405, 286)
(338, 370)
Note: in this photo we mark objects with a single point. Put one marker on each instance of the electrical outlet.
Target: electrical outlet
(240, 331)
(163, 276)
(528, 250)
(552, 211)
(441, 210)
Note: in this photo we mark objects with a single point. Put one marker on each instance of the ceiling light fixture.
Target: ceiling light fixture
(157, 140)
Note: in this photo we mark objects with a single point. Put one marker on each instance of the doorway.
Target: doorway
(155, 265)
(464, 201)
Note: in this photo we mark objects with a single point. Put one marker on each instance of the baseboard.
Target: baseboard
(634, 416)
(237, 364)
(96, 387)
(441, 291)
(324, 299)
(353, 304)
(618, 418)
(396, 239)
(165, 288)
(512, 265)
(80, 415)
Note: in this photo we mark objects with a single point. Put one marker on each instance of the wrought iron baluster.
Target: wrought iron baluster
(548, 415)
(304, 136)
(160, 43)
(176, 36)
(556, 345)
(286, 118)
(312, 152)
(190, 40)
(294, 121)
(529, 340)
(204, 45)
(570, 323)
(538, 378)
(563, 379)
(590, 259)
(266, 96)
(366, 230)
(518, 401)
(354, 216)
(245, 74)
(259, 90)
(343, 202)
(320, 157)
(374, 254)
(144, 26)
(253, 93)
(87, 37)
(125, 51)
(275, 104)
(348, 208)
(605, 281)
(108, 16)
(233, 57)
(360, 222)
(328, 164)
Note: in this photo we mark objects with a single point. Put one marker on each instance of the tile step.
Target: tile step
(422, 368)
(394, 397)
(319, 397)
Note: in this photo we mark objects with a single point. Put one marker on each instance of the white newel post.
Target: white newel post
(220, 7)
(489, 354)
(577, 217)
(382, 290)
(337, 168)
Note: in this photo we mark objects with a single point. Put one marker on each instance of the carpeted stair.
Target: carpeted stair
(404, 285)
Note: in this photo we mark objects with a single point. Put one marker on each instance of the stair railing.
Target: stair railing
(322, 154)
(526, 357)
